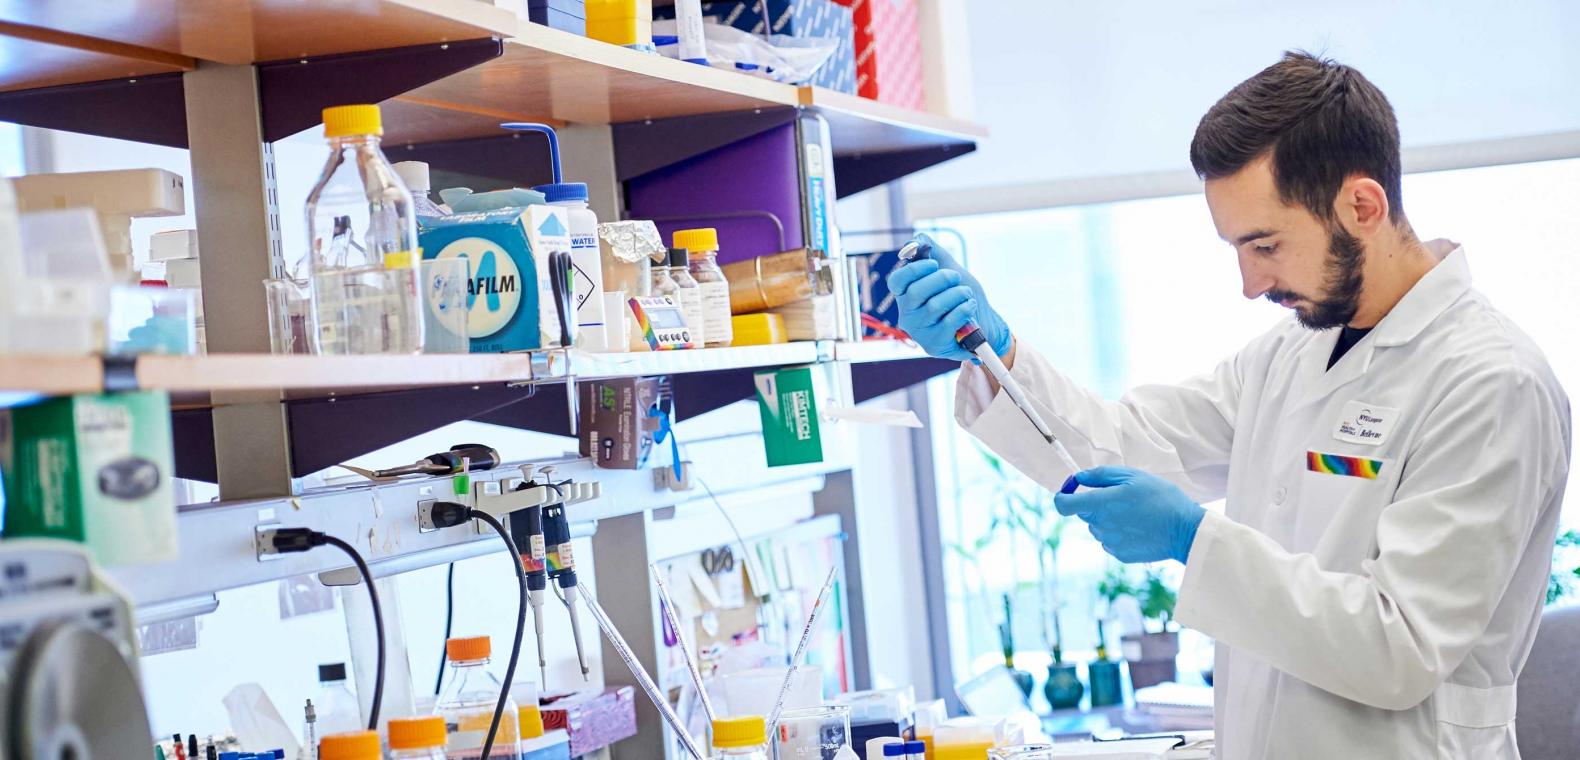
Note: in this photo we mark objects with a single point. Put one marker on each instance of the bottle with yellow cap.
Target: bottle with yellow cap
(417, 738)
(353, 745)
(467, 702)
(741, 738)
(362, 244)
(703, 245)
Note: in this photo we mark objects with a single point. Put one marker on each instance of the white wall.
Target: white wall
(1086, 89)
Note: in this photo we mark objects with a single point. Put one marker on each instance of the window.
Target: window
(1137, 292)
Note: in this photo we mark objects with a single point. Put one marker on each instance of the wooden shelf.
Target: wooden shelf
(862, 126)
(31, 57)
(549, 75)
(193, 378)
(556, 77)
(249, 31)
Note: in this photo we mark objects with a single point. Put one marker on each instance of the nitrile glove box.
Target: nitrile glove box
(787, 401)
(794, 18)
(502, 295)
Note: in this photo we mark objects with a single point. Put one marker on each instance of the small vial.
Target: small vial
(690, 294)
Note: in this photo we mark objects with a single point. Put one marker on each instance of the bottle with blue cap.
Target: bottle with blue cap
(586, 261)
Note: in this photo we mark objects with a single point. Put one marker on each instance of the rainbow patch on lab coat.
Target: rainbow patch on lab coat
(1336, 464)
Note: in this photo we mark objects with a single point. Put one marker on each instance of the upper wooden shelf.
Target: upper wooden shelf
(193, 378)
(552, 76)
(236, 31)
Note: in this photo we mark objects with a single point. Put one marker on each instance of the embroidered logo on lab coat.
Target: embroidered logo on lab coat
(1365, 423)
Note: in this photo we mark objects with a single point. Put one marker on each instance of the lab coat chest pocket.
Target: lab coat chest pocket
(1342, 492)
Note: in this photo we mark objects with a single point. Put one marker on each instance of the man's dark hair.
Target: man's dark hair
(1322, 121)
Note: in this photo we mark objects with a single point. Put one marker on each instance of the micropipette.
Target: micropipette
(800, 649)
(562, 569)
(680, 640)
(644, 680)
(970, 338)
(527, 526)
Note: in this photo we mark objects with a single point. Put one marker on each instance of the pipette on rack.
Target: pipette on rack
(680, 640)
(800, 649)
(643, 679)
(562, 570)
(526, 525)
(970, 338)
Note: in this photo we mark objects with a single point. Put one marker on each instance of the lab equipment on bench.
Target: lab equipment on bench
(689, 294)
(416, 176)
(421, 738)
(628, 250)
(469, 699)
(474, 456)
(337, 708)
(58, 280)
(362, 244)
(800, 648)
(68, 669)
(586, 283)
(562, 570)
(813, 733)
(971, 339)
(354, 745)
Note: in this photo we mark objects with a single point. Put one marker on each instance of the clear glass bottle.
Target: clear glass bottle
(690, 295)
(362, 244)
(660, 282)
(467, 702)
(337, 708)
(743, 738)
(417, 738)
(704, 247)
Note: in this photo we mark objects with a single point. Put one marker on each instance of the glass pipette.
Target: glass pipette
(800, 649)
(659, 699)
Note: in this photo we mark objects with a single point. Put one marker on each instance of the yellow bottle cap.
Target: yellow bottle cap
(531, 719)
(697, 241)
(355, 745)
(345, 121)
(399, 260)
(740, 732)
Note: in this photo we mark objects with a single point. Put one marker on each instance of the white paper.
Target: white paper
(864, 416)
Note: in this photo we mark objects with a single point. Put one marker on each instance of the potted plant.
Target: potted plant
(1063, 689)
(1103, 673)
(1006, 640)
(1152, 653)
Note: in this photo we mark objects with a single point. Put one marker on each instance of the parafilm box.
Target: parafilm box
(510, 306)
(94, 469)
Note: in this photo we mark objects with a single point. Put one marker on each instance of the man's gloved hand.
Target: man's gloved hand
(1138, 517)
(937, 297)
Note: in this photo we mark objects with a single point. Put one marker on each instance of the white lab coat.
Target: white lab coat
(1354, 618)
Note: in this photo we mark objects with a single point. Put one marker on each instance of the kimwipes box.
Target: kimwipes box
(619, 419)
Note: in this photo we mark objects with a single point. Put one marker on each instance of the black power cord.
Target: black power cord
(449, 620)
(293, 540)
(448, 514)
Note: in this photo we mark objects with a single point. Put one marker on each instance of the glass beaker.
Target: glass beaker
(812, 733)
(290, 323)
(364, 310)
(444, 294)
(1021, 752)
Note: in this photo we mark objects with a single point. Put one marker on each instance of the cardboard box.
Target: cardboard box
(787, 400)
(617, 423)
(796, 18)
(94, 469)
(512, 305)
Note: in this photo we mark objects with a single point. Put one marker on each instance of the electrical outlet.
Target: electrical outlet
(425, 516)
(263, 541)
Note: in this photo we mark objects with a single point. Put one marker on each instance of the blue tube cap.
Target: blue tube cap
(915, 747)
(896, 749)
(563, 191)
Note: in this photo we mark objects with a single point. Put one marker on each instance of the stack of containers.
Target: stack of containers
(878, 713)
(564, 15)
(177, 250)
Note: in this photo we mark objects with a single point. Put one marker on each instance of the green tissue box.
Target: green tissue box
(787, 399)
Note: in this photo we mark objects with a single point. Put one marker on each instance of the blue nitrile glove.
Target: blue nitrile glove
(937, 297)
(1138, 517)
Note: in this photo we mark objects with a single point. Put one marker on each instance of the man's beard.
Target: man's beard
(1342, 284)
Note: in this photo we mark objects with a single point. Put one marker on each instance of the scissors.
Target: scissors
(718, 561)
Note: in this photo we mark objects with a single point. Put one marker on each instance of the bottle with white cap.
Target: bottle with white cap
(415, 175)
(586, 260)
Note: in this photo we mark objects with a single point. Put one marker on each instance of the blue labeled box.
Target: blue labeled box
(796, 18)
(502, 296)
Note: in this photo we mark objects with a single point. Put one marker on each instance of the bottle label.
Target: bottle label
(691, 307)
(716, 312)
